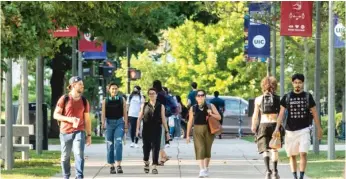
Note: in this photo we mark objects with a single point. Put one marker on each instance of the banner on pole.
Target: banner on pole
(257, 34)
(85, 44)
(96, 55)
(339, 31)
(296, 18)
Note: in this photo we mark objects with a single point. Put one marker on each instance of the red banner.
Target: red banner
(70, 31)
(296, 18)
(85, 44)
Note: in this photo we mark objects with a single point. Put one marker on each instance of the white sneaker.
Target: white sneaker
(167, 145)
(132, 145)
(136, 146)
(201, 174)
(206, 172)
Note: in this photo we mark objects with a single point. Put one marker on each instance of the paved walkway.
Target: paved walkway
(231, 158)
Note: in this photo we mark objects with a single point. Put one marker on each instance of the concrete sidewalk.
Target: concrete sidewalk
(231, 158)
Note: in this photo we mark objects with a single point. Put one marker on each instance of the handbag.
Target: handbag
(214, 125)
(275, 142)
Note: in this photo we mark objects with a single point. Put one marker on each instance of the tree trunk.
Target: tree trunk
(57, 85)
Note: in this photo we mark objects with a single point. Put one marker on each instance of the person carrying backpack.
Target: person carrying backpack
(268, 106)
(115, 121)
(301, 109)
(72, 113)
(202, 137)
(134, 103)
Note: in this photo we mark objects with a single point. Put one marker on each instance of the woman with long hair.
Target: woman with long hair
(153, 115)
(203, 139)
(134, 102)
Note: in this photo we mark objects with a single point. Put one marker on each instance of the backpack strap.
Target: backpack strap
(284, 122)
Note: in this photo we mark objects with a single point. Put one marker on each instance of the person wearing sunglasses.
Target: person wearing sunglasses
(153, 115)
(203, 139)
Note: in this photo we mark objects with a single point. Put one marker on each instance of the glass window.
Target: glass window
(232, 106)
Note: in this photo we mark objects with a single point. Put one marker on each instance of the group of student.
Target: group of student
(72, 111)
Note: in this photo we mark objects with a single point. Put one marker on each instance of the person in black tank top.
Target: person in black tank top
(203, 139)
(153, 115)
(114, 120)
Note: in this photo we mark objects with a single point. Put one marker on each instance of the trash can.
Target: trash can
(32, 120)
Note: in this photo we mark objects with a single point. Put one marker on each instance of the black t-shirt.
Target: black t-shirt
(298, 113)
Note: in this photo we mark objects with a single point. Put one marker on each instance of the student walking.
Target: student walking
(134, 103)
(191, 97)
(72, 113)
(220, 106)
(268, 105)
(203, 139)
(301, 109)
(114, 120)
(153, 115)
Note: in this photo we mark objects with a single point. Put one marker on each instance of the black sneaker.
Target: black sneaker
(268, 175)
(112, 171)
(275, 175)
(119, 169)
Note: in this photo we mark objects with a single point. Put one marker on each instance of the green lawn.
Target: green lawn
(319, 167)
(94, 140)
(44, 166)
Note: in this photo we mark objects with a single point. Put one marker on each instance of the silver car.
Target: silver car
(235, 115)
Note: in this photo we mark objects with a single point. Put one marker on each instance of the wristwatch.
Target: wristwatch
(89, 135)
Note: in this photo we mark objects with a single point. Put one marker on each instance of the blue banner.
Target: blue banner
(258, 46)
(339, 30)
(96, 55)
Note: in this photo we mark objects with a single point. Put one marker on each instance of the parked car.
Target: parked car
(236, 109)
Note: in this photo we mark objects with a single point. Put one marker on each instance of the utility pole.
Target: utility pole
(74, 60)
(317, 86)
(128, 69)
(25, 102)
(331, 86)
(273, 60)
(305, 65)
(39, 113)
(282, 66)
(80, 65)
(9, 118)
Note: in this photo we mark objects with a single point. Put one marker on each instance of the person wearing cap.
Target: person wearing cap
(114, 120)
(72, 113)
(134, 103)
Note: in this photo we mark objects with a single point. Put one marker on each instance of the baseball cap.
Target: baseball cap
(72, 80)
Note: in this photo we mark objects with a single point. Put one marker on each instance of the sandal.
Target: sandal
(146, 167)
(162, 162)
(154, 171)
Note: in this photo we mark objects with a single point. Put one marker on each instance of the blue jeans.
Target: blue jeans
(114, 138)
(75, 140)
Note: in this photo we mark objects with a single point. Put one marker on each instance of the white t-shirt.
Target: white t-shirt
(135, 105)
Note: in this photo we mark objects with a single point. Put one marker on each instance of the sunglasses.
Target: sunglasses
(152, 93)
(200, 95)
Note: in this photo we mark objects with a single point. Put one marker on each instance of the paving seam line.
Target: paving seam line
(97, 173)
(179, 166)
(249, 161)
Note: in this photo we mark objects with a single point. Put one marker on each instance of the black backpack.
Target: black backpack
(270, 104)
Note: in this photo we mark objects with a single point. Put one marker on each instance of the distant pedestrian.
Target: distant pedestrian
(153, 115)
(191, 98)
(202, 137)
(72, 113)
(134, 103)
(301, 110)
(115, 121)
(268, 106)
(220, 106)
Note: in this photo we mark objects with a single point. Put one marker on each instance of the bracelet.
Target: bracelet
(89, 135)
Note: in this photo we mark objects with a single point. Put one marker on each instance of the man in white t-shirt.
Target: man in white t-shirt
(134, 102)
